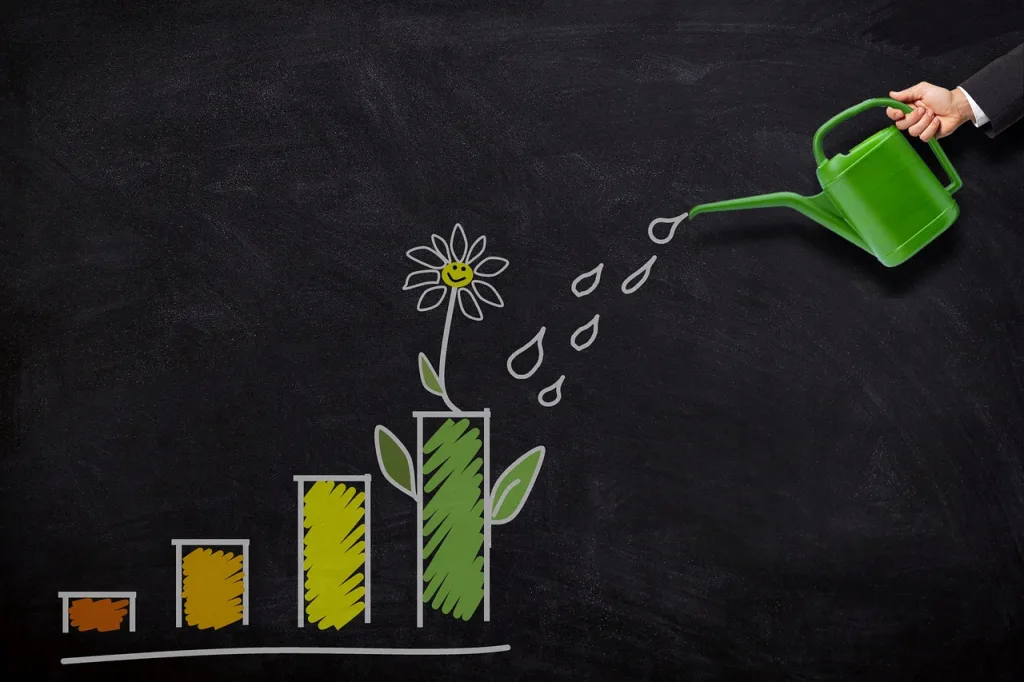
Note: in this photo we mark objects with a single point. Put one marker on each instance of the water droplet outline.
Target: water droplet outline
(595, 273)
(557, 388)
(672, 231)
(593, 327)
(538, 340)
(643, 273)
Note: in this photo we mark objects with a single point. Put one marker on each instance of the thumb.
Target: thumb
(909, 95)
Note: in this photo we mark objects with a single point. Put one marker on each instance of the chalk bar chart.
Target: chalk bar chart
(212, 576)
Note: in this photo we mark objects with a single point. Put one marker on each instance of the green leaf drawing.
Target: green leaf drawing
(428, 377)
(394, 460)
(514, 486)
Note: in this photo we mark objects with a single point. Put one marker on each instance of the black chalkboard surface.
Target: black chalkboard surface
(777, 459)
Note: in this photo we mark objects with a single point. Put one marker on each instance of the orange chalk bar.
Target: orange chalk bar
(102, 615)
(212, 588)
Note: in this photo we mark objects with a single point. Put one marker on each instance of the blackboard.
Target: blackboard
(778, 460)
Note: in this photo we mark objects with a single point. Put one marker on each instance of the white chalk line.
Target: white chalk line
(557, 388)
(672, 231)
(592, 327)
(595, 274)
(537, 340)
(336, 651)
(641, 275)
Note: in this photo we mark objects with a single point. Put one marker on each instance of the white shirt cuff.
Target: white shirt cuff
(980, 118)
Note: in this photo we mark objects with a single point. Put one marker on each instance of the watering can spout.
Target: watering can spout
(818, 208)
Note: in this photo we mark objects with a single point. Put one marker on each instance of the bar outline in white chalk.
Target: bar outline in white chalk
(301, 480)
(66, 596)
(420, 416)
(220, 542)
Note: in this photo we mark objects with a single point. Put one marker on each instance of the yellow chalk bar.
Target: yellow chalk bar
(334, 553)
(212, 589)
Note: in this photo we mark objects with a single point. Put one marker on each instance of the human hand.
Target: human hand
(937, 111)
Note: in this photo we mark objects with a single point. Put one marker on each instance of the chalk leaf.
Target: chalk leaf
(513, 487)
(395, 460)
(428, 377)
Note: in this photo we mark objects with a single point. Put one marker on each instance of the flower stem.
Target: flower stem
(444, 349)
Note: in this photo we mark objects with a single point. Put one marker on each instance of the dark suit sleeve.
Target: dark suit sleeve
(999, 91)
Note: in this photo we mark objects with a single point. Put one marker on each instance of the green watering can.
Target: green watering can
(880, 195)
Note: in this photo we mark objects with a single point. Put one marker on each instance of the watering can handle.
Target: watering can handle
(819, 154)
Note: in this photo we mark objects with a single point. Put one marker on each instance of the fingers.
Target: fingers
(897, 114)
(909, 95)
(922, 123)
(932, 130)
(910, 119)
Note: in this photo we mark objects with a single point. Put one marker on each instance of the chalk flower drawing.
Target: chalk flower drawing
(456, 504)
(450, 266)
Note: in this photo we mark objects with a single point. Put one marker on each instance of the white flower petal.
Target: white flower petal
(476, 250)
(421, 278)
(470, 308)
(495, 265)
(459, 242)
(441, 246)
(424, 255)
(487, 293)
(425, 304)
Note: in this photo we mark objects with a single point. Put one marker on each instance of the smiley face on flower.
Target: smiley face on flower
(456, 274)
(455, 269)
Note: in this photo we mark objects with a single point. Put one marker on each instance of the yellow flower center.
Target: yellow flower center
(456, 274)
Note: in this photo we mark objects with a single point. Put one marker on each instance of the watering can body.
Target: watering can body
(881, 196)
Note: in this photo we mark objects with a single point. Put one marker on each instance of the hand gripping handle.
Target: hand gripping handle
(819, 137)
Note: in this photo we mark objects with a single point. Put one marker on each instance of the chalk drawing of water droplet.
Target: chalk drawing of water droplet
(673, 222)
(640, 276)
(555, 388)
(588, 327)
(538, 342)
(594, 274)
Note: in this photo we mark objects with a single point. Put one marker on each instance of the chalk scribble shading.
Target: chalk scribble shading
(673, 223)
(102, 615)
(453, 520)
(213, 586)
(537, 344)
(589, 328)
(550, 396)
(334, 554)
(587, 282)
(99, 611)
(637, 279)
